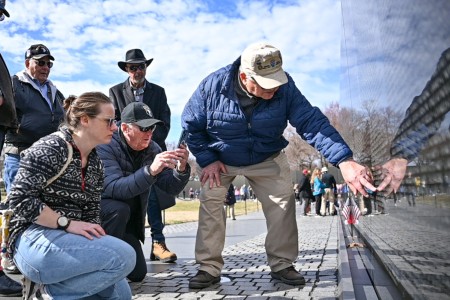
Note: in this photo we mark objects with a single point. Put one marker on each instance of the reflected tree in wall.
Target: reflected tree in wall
(299, 153)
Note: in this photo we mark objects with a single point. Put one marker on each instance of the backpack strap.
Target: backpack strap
(69, 159)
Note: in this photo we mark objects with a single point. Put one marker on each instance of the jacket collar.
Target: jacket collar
(25, 77)
(231, 75)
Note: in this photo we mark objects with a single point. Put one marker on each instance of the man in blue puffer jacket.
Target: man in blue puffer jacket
(235, 120)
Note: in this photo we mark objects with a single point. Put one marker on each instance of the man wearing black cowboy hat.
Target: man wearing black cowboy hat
(137, 89)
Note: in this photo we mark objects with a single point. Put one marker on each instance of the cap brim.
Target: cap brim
(42, 55)
(272, 80)
(149, 122)
(123, 64)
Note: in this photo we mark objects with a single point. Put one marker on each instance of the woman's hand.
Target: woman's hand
(88, 230)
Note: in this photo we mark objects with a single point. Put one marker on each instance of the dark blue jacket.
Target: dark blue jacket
(34, 115)
(129, 180)
(219, 131)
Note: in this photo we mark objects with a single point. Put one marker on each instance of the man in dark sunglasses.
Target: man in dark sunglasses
(136, 167)
(38, 104)
(137, 89)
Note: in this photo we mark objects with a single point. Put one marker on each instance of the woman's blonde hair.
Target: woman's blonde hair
(316, 173)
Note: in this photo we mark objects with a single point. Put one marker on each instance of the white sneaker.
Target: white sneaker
(34, 291)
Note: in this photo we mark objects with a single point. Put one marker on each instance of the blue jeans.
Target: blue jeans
(155, 217)
(11, 165)
(74, 267)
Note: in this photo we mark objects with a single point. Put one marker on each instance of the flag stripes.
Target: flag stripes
(351, 212)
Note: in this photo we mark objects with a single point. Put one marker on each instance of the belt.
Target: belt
(11, 149)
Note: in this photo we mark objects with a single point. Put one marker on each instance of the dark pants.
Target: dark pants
(115, 216)
(368, 205)
(306, 203)
(318, 203)
(411, 199)
(154, 216)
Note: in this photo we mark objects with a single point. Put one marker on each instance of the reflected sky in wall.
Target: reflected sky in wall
(392, 56)
(392, 52)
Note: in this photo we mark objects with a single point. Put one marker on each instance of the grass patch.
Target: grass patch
(187, 210)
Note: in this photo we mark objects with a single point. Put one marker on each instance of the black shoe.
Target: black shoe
(202, 280)
(289, 276)
(9, 287)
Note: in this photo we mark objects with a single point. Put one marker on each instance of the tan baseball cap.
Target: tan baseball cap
(264, 63)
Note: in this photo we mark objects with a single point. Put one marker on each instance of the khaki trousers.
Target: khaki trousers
(271, 182)
(328, 195)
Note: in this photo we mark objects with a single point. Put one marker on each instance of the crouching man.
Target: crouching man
(133, 164)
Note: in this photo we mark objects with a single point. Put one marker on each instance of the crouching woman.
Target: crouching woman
(55, 235)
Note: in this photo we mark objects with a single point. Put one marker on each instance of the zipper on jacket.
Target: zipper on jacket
(249, 128)
(83, 183)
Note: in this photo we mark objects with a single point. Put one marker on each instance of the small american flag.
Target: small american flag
(351, 211)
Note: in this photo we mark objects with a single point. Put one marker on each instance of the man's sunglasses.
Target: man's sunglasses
(146, 129)
(134, 68)
(42, 63)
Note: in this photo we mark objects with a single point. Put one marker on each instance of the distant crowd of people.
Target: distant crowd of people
(318, 189)
(319, 194)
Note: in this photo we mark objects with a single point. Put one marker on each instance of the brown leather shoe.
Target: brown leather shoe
(289, 275)
(202, 280)
(162, 253)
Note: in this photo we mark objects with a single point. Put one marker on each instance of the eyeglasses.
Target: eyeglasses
(146, 129)
(110, 121)
(42, 63)
(134, 68)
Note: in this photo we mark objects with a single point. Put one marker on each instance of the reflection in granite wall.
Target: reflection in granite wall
(395, 80)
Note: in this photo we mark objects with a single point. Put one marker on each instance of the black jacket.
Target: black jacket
(305, 187)
(329, 180)
(34, 115)
(230, 199)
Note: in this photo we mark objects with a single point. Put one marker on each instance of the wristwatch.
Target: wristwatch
(63, 222)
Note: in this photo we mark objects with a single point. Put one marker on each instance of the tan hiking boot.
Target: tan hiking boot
(162, 253)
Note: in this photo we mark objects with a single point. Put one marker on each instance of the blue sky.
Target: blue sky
(188, 39)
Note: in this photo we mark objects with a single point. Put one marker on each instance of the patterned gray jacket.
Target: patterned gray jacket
(75, 194)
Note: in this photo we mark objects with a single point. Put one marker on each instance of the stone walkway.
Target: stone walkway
(246, 273)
